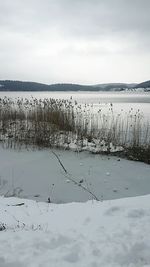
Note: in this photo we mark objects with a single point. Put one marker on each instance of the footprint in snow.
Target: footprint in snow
(3, 263)
(87, 221)
(136, 213)
(73, 256)
(112, 211)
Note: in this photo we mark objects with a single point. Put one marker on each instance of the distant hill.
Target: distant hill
(143, 85)
(112, 86)
(71, 87)
(33, 86)
(9, 85)
(22, 86)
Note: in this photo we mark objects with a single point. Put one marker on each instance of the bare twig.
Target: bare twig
(15, 205)
(60, 162)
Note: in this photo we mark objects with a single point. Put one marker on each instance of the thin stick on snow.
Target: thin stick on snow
(72, 179)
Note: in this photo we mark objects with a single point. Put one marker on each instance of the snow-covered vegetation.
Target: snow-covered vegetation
(66, 124)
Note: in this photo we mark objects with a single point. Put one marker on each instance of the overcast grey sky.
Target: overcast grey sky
(78, 41)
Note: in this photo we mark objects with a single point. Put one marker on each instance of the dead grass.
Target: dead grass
(52, 122)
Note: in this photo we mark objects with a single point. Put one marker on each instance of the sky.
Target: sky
(75, 41)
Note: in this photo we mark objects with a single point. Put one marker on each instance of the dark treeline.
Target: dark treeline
(9, 85)
(33, 86)
(22, 86)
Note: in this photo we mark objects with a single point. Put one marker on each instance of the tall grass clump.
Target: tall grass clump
(34, 122)
(57, 123)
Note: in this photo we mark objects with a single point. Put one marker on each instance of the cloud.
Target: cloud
(76, 32)
(82, 18)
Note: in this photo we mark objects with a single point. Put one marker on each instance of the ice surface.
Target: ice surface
(38, 175)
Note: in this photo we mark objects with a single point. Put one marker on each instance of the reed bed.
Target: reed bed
(57, 123)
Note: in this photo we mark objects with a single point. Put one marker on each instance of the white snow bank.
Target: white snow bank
(95, 146)
(92, 234)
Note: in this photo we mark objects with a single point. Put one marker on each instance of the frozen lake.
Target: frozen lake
(38, 175)
(86, 97)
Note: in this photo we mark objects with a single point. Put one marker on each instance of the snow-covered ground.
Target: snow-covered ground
(92, 234)
(111, 233)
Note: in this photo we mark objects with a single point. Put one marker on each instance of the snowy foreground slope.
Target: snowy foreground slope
(92, 234)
